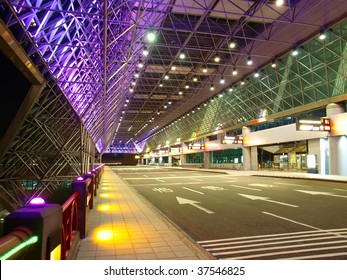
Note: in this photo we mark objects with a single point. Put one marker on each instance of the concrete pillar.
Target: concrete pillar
(335, 109)
(337, 155)
(170, 161)
(246, 151)
(337, 144)
(207, 163)
(314, 148)
(254, 158)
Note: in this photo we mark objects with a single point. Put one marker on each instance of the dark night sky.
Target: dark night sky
(13, 89)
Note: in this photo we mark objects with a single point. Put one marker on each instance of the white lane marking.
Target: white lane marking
(286, 252)
(199, 180)
(192, 190)
(160, 180)
(322, 193)
(178, 177)
(166, 184)
(297, 237)
(262, 185)
(145, 176)
(182, 200)
(288, 234)
(341, 190)
(296, 240)
(242, 187)
(302, 224)
(310, 257)
(284, 247)
(289, 184)
(253, 197)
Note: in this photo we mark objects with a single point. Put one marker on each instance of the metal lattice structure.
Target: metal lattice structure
(310, 80)
(95, 95)
(93, 49)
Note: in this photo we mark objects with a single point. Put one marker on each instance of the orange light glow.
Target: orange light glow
(107, 195)
(108, 208)
(339, 126)
(108, 235)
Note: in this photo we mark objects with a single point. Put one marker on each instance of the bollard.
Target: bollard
(45, 221)
(86, 195)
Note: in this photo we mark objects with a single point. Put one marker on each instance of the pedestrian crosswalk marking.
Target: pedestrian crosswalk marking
(294, 245)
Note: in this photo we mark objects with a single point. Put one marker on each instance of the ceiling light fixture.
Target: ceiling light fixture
(182, 55)
(222, 81)
(195, 79)
(150, 36)
(173, 68)
(137, 74)
(204, 70)
(140, 64)
(256, 74)
(322, 35)
(166, 77)
(295, 52)
(232, 45)
(180, 92)
(249, 61)
(212, 87)
(273, 64)
(145, 51)
(234, 71)
(217, 58)
(279, 3)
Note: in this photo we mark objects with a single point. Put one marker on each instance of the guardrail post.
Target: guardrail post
(83, 186)
(45, 220)
(91, 176)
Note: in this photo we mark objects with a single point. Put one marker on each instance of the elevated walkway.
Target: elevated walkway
(122, 226)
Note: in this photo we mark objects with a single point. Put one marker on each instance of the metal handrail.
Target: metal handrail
(70, 222)
(17, 243)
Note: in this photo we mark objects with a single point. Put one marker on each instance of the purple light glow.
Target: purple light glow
(94, 169)
(80, 178)
(89, 172)
(37, 202)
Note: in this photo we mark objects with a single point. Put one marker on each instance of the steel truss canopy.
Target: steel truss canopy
(94, 50)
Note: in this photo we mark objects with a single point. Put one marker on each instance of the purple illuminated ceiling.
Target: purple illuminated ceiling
(93, 49)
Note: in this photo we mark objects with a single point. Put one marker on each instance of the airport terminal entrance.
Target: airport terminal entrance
(283, 157)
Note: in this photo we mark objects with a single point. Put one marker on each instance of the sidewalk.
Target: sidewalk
(122, 226)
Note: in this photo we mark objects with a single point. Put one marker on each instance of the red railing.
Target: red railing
(70, 223)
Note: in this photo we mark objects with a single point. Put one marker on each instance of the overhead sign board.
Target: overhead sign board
(305, 124)
(232, 139)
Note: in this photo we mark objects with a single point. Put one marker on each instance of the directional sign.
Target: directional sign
(193, 203)
(253, 197)
(322, 193)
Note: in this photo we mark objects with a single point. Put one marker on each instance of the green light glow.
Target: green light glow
(19, 247)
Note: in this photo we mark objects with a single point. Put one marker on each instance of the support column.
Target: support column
(170, 161)
(314, 148)
(246, 151)
(254, 158)
(337, 144)
(207, 163)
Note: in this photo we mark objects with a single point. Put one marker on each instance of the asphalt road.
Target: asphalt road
(249, 217)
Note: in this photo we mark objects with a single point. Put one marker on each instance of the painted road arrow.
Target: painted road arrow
(322, 193)
(193, 203)
(254, 197)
